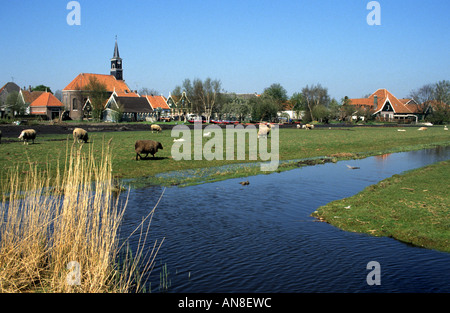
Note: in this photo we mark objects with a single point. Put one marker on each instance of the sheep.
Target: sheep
(154, 127)
(309, 126)
(147, 147)
(264, 130)
(27, 134)
(445, 128)
(401, 130)
(80, 134)
(299, 126)
(422, 128)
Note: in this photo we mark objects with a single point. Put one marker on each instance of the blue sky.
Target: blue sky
(247, 44)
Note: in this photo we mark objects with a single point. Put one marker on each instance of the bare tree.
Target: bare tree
(423, 96)
(315, 95)
(203, 94)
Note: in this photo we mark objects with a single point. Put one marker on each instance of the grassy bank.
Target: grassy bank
(49, 151)
(413, 208)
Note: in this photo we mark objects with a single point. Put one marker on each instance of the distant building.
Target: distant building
(4, 92)
(159, 105)
(47, 105)
(386, 107)
(75, 95)
(131, 108)
(26, 97)
(180, 106)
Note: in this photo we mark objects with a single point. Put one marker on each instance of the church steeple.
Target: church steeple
(116, 64)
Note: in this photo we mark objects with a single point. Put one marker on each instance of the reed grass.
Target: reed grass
(60, 232)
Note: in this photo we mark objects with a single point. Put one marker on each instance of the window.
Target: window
(74, 104)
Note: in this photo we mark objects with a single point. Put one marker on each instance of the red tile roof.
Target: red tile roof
(30, 96)
(382, 97)
(157, 102)
(46, 99)
(109, 81)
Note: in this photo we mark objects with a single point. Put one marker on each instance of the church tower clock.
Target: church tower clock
(116, 64)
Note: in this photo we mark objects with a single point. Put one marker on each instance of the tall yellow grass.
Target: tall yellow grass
(60, 234)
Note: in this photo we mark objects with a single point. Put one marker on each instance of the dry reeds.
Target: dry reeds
(60, 234)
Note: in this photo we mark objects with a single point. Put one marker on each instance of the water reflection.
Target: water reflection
(225, 237)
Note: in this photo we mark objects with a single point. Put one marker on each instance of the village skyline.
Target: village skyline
(247, 46)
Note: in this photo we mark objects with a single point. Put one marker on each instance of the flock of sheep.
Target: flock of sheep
(148, 146)
(80, 135)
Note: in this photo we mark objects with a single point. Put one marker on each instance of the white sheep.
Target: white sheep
(264, 130)
(27, 134)
(422, 128)
(155, 127)
(80, 134)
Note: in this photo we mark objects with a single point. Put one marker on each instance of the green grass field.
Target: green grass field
(49, 151)
(413, 207)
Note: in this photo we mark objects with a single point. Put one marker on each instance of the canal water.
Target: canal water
(225, 237)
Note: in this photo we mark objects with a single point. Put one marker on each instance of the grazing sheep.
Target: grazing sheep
(80, 134)
(401, 130)
(422, 128)
(309, 126)
(264, 130)
(299, 126)
(147, 147)
(155, 127)
(27, 134)
(445, 128)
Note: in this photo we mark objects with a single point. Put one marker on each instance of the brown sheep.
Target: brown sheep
(27, 134)
(80, 134)
(155, 127)
(147, 147)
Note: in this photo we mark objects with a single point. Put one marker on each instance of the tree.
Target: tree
(236, 107)
(278, 94)
(148, 91)
(298, 102)
(204, 95)
(346, 111)
(42, 88)
(423, 96)
(442, 92)
(315, 95)
(263, 108)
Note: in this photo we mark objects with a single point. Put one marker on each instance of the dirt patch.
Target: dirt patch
(343, 155)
